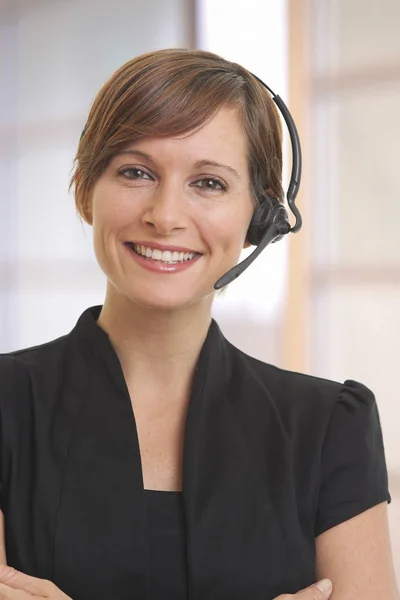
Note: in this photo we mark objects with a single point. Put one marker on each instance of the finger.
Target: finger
(8, 593)
(20, 581)
(318, 591)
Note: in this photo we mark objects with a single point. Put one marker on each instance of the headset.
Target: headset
(270, 221)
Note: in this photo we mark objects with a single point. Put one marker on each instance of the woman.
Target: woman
(142, 455)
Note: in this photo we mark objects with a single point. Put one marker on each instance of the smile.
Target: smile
(168, 257)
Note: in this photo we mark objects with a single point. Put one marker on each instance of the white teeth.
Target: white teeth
(156, 254)
(166, 256)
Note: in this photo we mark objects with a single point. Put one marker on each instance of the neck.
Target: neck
(157, 346)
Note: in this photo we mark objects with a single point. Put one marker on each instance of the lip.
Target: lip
(160, 267)
(162, 247)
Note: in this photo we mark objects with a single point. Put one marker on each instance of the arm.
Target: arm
(356, 556)
(3, 559)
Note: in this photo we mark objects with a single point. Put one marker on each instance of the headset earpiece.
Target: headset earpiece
(269, 211)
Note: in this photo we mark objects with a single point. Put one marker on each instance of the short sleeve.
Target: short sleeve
(353, 466)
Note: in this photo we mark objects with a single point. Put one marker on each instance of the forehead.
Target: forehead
(221, 137)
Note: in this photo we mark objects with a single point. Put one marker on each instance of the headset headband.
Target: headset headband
(278, 227)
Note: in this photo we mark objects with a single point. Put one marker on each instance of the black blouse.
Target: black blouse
(167, 545)
(271, 459)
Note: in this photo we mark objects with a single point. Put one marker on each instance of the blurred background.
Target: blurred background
(325, 301)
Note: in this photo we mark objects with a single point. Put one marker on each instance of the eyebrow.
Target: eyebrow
(213, 163)
(198, 164)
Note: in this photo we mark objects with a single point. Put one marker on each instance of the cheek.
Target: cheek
(226, 240)
(111, 211)
(232, 228)
(106, 225)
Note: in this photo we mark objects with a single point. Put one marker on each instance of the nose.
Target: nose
(167, 209)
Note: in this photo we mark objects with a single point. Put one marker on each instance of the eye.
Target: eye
(134, 173)
(211, 184)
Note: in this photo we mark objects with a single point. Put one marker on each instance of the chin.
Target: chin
(159, 300)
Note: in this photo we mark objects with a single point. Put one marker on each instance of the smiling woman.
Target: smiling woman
(143, 455)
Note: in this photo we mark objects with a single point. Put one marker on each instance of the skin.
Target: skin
(356, 555)
(149, 317)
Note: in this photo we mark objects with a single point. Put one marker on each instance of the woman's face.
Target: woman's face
(170, 215)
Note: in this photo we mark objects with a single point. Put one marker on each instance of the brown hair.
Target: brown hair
(173, 92)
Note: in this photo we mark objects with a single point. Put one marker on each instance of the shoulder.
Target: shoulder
(17, 362)
(300, 395)
(24, 371)
(282, 383)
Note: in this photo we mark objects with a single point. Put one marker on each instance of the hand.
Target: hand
(319, 591)
(15, 585)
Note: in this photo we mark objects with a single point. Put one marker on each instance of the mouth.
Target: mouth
(168, 257)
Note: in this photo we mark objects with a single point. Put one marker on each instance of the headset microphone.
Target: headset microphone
(270, 221)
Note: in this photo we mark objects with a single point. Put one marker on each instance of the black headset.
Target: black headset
(270, 221)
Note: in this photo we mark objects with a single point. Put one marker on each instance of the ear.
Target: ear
(88, 217)
(87, 210)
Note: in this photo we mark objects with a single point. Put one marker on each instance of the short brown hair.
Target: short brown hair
(173, 92)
